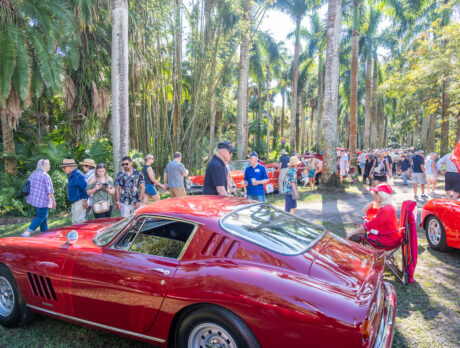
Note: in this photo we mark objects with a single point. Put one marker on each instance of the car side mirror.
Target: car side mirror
(72, 237)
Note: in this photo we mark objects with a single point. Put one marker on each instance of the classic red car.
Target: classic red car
(203, 271)
(194, 184)
(441, 222)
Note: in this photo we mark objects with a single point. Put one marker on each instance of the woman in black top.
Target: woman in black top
(380, 170)
(367, 169)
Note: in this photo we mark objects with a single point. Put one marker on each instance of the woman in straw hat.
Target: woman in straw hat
(291, 192)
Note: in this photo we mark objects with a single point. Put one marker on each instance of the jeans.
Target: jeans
(260, 198)
(405, 177)
(40, 220)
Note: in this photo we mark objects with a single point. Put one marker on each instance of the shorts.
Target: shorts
(367, 178)
(452, 182)
(343, 172)
(150, 190)
(380, 178)
(418, 178)
(311, 173)
(430, 177)
(289, 203)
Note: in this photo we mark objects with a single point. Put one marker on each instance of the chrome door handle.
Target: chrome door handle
(161, 270)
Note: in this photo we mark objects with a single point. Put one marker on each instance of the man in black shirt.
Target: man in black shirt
(215, 177)
(367, 169)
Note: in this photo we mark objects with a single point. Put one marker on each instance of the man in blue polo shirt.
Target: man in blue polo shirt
(255, 176)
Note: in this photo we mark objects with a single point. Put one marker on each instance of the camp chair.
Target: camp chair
(407, 244)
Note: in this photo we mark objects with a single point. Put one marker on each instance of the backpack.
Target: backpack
(26, 188)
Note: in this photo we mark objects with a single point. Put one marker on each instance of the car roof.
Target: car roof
(196, 208)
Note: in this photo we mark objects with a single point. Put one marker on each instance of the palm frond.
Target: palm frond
(7, 59)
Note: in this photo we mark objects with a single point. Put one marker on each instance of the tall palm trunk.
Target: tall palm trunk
(301, 140)
(120, 112)
(242, 94)
(8, 143)
(331, 90)
(373, 135)
(444, 118)
(319, 116)
(268, 112)
(424, 132)
(283, 102)
(367, 104)
(177, 110)
(457, 135)
(312, 121)
(354, 82)
(295, 73)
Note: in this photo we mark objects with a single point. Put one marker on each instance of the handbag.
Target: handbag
(26, 188)
(100, 207)
(269, 188)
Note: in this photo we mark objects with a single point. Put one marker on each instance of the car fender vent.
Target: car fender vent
(41, 286)
(220, 246)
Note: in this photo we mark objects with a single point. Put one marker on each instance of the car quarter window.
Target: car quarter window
(161, 237)
(128, 236)
(272, 228)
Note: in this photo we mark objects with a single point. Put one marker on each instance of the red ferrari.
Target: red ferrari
(441, 222)
(203, 271)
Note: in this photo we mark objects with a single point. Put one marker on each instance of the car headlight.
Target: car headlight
(188, 184)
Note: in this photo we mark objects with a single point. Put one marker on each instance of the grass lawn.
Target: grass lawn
(428, 313)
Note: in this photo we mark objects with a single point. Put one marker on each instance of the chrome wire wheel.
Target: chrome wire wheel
(434, 231)
(6, 297)
(210, 335)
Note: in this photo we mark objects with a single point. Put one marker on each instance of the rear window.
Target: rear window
(272, 229)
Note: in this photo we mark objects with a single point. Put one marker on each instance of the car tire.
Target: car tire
(13, 309)
(436, 234)
(212, 324)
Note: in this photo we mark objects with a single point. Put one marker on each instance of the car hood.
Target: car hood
(347, 265)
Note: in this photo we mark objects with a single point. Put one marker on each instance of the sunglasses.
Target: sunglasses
(125, 164)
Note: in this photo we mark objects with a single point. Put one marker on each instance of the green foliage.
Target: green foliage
(59, 180)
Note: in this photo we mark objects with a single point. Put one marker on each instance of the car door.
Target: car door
(123, 285)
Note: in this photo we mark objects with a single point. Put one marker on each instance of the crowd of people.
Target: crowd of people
(93, 191)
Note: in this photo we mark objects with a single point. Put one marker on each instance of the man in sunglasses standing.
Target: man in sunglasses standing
(129, 188)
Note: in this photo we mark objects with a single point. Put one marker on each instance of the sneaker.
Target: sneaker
(25, 234)
(424, 196)
(415, 197)
(432, 193)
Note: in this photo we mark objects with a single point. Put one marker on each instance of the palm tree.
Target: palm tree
(30, 31)
(331, 88)
(120, 82)
(242, 94)
(296, 9)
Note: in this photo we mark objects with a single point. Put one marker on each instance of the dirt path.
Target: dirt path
(347, 207)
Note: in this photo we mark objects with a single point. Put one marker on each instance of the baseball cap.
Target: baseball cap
(383, 188)
(226, 145)
(253, 154)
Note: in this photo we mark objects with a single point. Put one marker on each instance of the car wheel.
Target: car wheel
(13, 310)
(214, 327)
(435, 234)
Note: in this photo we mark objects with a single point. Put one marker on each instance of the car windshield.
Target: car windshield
(107, 235)
(238, 165)
(272, 229)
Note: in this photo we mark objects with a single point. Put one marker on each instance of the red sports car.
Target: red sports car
(203, 271)
(441, 222)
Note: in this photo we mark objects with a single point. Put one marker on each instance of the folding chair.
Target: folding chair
(407, 244)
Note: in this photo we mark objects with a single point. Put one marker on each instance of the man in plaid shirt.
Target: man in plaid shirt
(41, 197)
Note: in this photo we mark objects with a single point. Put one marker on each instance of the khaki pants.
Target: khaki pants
(78, 213)
(127, 209)
(177, 192)
(282, 176)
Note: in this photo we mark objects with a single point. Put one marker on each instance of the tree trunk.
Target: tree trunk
(301, 141)
(373, 136)
(444, 118)
(432, 133)
(246, 123)
(367, 104)
(354, 82)
(283, 100)
(331, 83)
(120, 82)
(380, 124)
(312, 121)
(295, 73)
(242, 94)
(268, 113)
(319, 115)
(424, 132)
(457, 134)
(8, 144)
(416, 131)
(177, 111)
(219, 123)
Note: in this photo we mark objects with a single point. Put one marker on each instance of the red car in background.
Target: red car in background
(194, 184)
(441, 222)
(203, 271)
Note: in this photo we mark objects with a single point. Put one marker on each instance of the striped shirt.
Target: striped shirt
(40, 188)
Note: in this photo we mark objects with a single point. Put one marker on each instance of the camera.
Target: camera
(104, 184)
